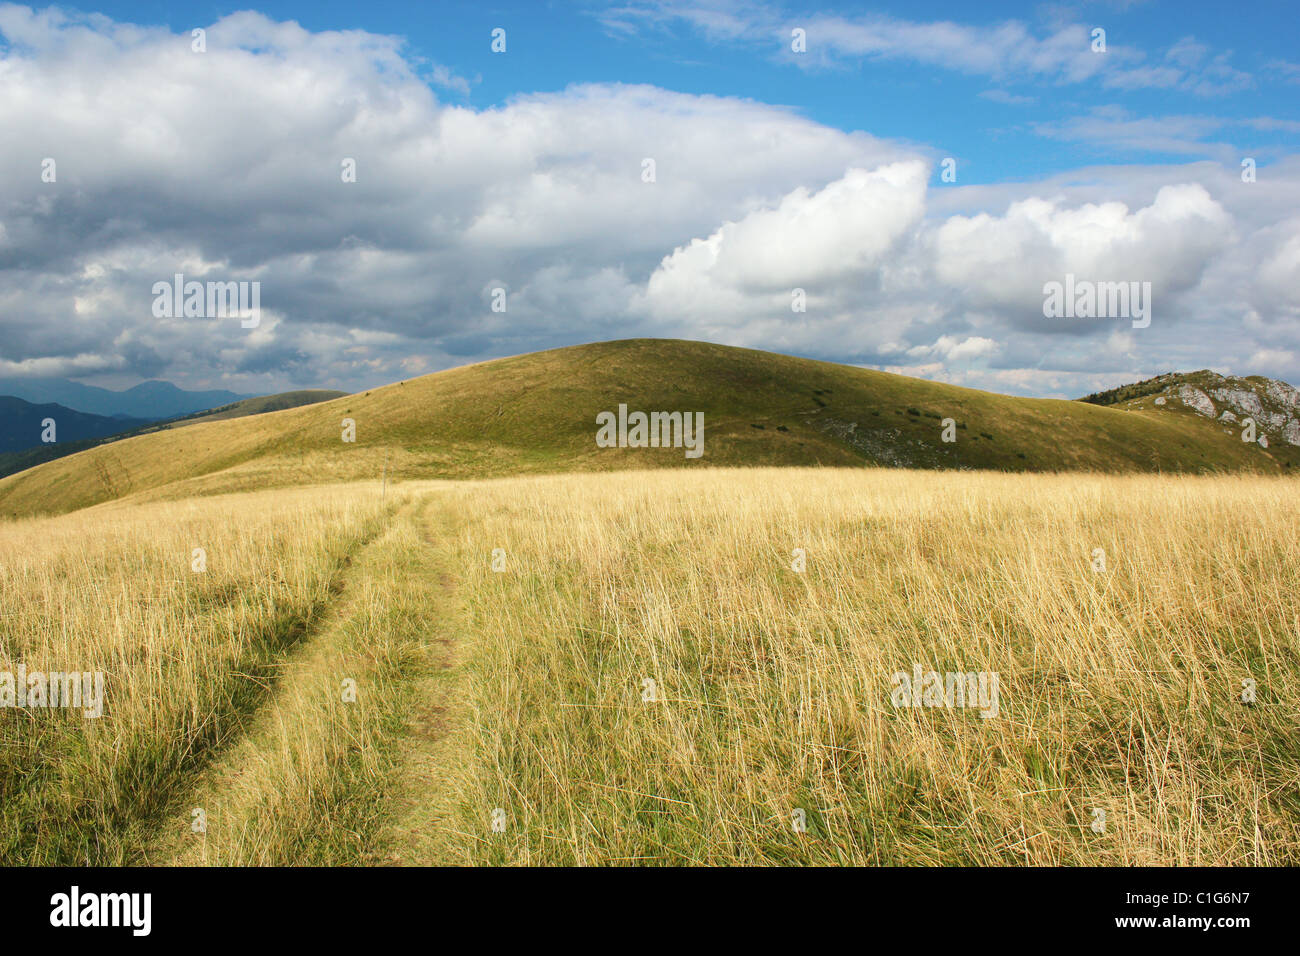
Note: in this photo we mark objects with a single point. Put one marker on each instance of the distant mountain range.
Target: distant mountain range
(149, 401)
(24, 424)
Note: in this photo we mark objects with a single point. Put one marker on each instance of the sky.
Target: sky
(888, 185)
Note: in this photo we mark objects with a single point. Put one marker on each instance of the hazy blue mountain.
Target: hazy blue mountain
(21, 424)
(17, 421)
(148, 400)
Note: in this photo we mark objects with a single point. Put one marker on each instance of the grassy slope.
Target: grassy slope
(258, 406)
(536, 413)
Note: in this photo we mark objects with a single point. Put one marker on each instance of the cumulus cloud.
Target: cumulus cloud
(1277, 288)
(227, 165)
(1006, 260)
(839, 235)
(954, 349)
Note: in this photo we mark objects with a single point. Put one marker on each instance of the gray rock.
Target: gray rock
(1282, 393)
(1246, 403)
(1196, 400)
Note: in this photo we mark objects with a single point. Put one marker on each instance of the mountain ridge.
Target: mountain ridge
(24, 424)
(153, 400)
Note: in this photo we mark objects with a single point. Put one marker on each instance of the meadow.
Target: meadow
(185, 653)
(665, 668)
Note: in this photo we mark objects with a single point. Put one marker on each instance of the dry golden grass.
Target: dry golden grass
(184, 653)
(1118, 690)
(298, 784)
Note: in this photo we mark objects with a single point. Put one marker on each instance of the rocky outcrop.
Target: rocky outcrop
(1196, 400)
(1273, 406)
(1246, 403)
(1282, 393)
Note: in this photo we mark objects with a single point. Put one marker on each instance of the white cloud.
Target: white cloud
(1278, 280)
(807, 241)
(1005, 260)
(231, 170)
(448, 79)
(1006, 51)
(1007, 99)
(952, 349)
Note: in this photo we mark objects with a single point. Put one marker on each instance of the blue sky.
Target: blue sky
(998, 126)
(777, 170)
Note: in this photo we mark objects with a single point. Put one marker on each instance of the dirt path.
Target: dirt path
(418, 798)
(313, 778)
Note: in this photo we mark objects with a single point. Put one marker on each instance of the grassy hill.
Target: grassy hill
(259, 405)
(537, 413)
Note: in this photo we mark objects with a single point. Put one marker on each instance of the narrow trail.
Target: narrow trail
(418, 797)
(312, 778)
